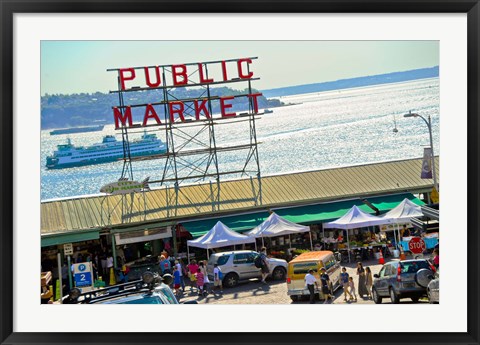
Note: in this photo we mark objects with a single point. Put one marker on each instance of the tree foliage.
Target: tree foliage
(63, 111)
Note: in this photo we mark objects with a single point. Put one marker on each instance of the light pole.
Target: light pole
(429, 125)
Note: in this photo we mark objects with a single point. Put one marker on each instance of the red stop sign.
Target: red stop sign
(417, 245)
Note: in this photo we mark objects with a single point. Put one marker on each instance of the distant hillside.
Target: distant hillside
(395, 77)
(64, 111)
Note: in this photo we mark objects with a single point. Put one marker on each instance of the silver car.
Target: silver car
(402, 279)
(239, 266)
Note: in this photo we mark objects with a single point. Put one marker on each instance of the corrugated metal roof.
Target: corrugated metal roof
(289, 189)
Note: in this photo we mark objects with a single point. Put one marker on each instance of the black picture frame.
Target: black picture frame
(11, 7)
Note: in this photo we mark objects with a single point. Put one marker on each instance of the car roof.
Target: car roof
(396, 262)
(233, 252)
(309, 256)
(129, 299)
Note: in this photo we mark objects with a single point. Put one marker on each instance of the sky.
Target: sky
(69, 67)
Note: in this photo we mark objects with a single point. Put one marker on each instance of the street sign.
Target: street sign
(82, 274)
(68, 249)
(416, 245)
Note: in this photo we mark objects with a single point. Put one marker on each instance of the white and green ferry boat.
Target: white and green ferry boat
(109, 150)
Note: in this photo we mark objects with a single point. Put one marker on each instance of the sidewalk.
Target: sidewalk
(275, 292)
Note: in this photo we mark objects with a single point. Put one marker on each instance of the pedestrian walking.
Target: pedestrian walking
(344, 278)
(192, 271)
(179, 266)
(368, 281)
(351, 285)
(165, 266)
(206, 281)
(362, 288)
(176, 280)
(217, 278)
(264, 268)
(103, 267)
(311, 283)
(65, 284)
(200, 281)
(326, 290)
(110, 272)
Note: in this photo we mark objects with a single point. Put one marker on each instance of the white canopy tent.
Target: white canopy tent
(219, 236)
(355, 218)
(275, 225)
(402, 214)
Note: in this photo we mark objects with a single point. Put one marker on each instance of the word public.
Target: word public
(181, 74)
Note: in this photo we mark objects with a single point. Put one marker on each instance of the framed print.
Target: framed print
(263, 172)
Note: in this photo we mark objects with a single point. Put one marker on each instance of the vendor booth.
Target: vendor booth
(275, 226)
(353, 219)
(219, 236)
(402, 214)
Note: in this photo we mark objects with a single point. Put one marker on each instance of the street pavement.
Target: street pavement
(253, 292)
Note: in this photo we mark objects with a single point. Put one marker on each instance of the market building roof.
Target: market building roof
(92, 213)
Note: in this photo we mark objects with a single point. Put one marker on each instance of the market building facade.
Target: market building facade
(152, 226)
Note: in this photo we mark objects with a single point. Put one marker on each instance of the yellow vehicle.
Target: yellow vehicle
(299, 267)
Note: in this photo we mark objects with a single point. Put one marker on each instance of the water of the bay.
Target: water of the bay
(322, 130)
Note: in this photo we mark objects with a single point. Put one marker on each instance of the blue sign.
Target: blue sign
(83, 279)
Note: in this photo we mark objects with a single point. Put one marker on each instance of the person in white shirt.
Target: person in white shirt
(217, 278)
(180, 269)
(311, 283)
(109, 268)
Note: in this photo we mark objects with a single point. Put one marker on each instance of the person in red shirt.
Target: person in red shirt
(436, 258)
(200, 281)
(192, 270)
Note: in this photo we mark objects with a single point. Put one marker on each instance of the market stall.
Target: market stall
(275, 226)
(219, 236)
(402, 214)
(355, 218)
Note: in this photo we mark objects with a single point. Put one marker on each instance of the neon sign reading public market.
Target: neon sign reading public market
(203, 74)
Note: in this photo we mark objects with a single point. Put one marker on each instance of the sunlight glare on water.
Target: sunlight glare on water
(322, 130)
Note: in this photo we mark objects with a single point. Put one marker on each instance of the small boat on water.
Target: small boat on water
(74, 130)
(109, 150)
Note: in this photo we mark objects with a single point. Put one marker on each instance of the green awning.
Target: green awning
(320, 213)
(306, 215)
(56, 239)
(238, 223)
(386, 203)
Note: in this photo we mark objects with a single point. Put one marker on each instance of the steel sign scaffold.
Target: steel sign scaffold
(189, 124)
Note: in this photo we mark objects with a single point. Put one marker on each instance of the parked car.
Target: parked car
(402, 279)
(433, 289)
(316, 260)
(239, 266)
(151, 289)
